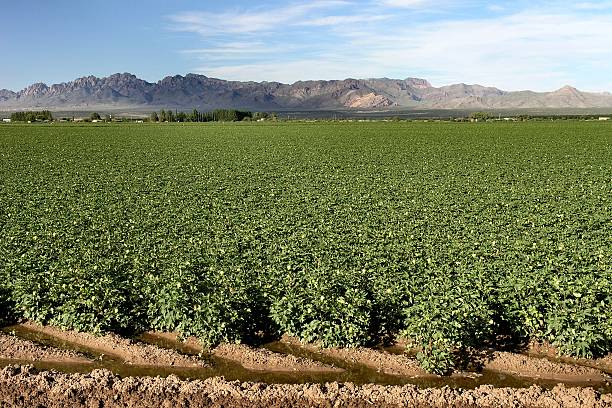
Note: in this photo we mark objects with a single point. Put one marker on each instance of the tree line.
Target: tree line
(32, 116)
(218, 115)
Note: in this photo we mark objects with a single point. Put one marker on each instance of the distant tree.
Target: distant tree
(222, 115)
(481, 116)
(95, 116)
(230, 115)
(194, 116)
(32, 116)
(261, 115)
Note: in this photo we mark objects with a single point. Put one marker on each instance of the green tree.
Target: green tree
(230, 115)
(261, 115)
(32, 116)
(195, 116)
(481, 116)
(154, 117)
(95, 116)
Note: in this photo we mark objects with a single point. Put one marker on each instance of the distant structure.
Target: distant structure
(6, 120)
(603, 118)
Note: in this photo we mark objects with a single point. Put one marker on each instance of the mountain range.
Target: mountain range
(126, 91)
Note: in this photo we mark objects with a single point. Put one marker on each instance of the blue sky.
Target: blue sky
(539, 45)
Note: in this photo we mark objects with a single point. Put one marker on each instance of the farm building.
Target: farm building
(604, 118)
(6, 120)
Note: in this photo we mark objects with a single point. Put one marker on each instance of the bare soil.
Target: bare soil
(382, 361)
(266, 360)
(502, 362)
(549, 351)
(525, 366)
(23, 386)
(256, 359)
(190, 344)
(14, 348)
(129, 351)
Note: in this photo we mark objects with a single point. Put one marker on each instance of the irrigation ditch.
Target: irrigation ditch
(48, 366)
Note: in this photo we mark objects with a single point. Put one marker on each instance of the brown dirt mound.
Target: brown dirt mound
(394, 364)
(190, 344)
(547, 350)
(526, 366)
(125, 349)
(256, 359)
(266, 360)
(14, 348)
(23, 386)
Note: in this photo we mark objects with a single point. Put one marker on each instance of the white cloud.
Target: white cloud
(348, 19)
(533, 48)
(496, 8)
(438, 6)
(247, 22)
(592, 5)
(527, 49)
(286, 72)
(407, 3)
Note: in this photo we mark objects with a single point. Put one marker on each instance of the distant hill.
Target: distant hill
(126, 91)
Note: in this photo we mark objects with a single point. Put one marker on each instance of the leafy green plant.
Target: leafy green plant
(199, 300)
(579, 322)
(436, 356)
(340, 233)
(7, 312)
(332, 308)
(452, 311)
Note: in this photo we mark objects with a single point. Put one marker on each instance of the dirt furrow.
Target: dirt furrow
(547, 350)
(525, 366)
(15, 348)
(266, 360)
(24, 386)
(129, 351)
(255, 359)
(382, 361)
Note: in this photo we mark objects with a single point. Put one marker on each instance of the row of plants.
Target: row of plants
(342, 234)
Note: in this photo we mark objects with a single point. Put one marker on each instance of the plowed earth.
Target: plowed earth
(22, 386)
(25, 386)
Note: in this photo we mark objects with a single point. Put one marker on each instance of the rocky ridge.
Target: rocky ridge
(125, 90)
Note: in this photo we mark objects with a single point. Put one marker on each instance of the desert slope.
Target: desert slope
(198, 91)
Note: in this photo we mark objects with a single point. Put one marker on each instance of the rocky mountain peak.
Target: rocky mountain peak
(567, 89)
(126, 91)
(5, 94)
(35, 89)
(418, 83)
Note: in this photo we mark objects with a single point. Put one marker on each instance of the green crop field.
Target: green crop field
(451, 235)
